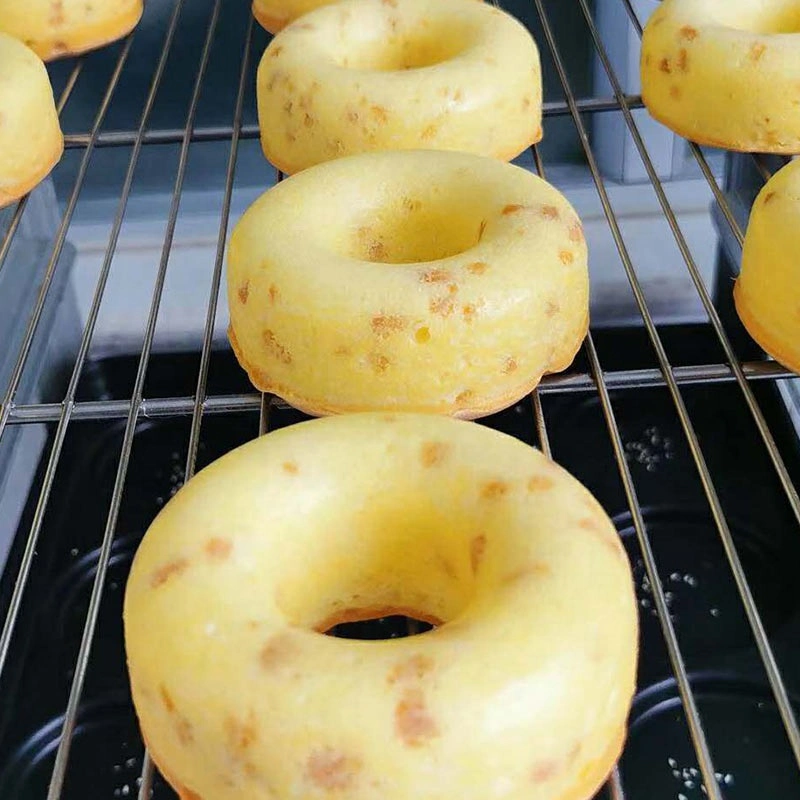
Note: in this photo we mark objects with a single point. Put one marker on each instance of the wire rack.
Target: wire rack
(594, 380)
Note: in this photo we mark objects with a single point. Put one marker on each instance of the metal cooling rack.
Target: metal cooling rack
(596, 380)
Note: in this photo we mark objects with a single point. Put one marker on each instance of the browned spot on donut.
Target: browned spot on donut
(305, 26)
(414, 668)
(688, 33)
(435, 276)
(218, 548)
(308, 120)
(275, 348)
(469, 311)
(275, 652)
(675, 92)
(383, 325)
(647, 60)
(290, 467)
(511, 209)
(535, 570)
(433, 454)
(184, 730)
(665, 66)
(413, 722)
(551, 309)
(288, 106)
(392, 3)
(590, 524)
(244, 292)
(477, 548)
(481, 229)
(429, 132)
(352, 115)
(188, 794)
(57, 13)
(576, 232)
(446, 566)
(510, 366)
(757, 50)
(550, 212)
(343, 350)
(540, 483)
(566, 257)
(526, 103)
(683, 60)
(166, 698)
(380, 114)
(544, 770)
(411, 205)
(169, 570)
(376, 250)
(769, 197)
(240, 734)
(379, 362)
(332, 770)
(442, 305)
(274, 294)
(276, 51)
(462, 398)
(491, 490)
(477, 267)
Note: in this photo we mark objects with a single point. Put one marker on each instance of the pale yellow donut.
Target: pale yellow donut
(415, 280)
(31, 142)
(56, 28)
(767, 292)
(725, 73)
(521, 693)
(365, 75)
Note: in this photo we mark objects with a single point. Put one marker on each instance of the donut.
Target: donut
(522, 689)
(767, 292)
(31, 142)
(436, 282)
(274, 15)
(725, 73)
(57, 28)
(365, 75)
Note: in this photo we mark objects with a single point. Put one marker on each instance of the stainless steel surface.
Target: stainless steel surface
(673, 377)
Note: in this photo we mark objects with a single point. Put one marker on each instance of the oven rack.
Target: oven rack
(595, 380)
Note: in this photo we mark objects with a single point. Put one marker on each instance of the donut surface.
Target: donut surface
(416, 281)
(274, 15)
(68, 27)
(522, 691)
(31, 142)
(725, 73)
(767, 292)
(362, 75)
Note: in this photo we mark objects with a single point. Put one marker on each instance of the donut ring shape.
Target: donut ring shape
(438, 282)
(523, 690)
(767, 292)
(31, 142)
(363, 75)
(68, 27)
(725, 73)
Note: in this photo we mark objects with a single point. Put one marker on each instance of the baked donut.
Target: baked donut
(767, 292)
(521, 692)
(409, 280)
(435, 74)
(31, 142)
(274, 15)
(725, 73)
(56, 28)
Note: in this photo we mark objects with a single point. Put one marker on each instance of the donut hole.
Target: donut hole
(415, 47)
(415, 232)
(782, 17)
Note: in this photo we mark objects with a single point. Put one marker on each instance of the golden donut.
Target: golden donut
(725, 73)
(31, 142)
(415, 280)
(56, 28)
(364, 75)
(521, 693)
(767, 293)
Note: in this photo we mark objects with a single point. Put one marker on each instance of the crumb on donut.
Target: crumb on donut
(290, 467)
(540, 483)
(509, 366)
(435, 276)
(332, 770)
(566, 257)
(414, 668)
(432, 454)
(218, 548)
(244, 292)
(544, 770)
(169, 570)
(275, 348)
(688, 33)
(757, 50)
(383, 325)
(477, 267)
(550, 212)
(494, 489)
(665, 66)
(477, 548)
(413, 721)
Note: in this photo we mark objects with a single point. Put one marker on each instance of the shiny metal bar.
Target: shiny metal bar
(8, 236)
(82, 661)
(68, 406)
(691, 711)
(759, 632)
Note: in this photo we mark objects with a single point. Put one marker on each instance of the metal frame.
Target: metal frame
(595, 380)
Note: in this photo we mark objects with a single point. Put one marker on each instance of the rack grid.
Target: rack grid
(595, 380)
